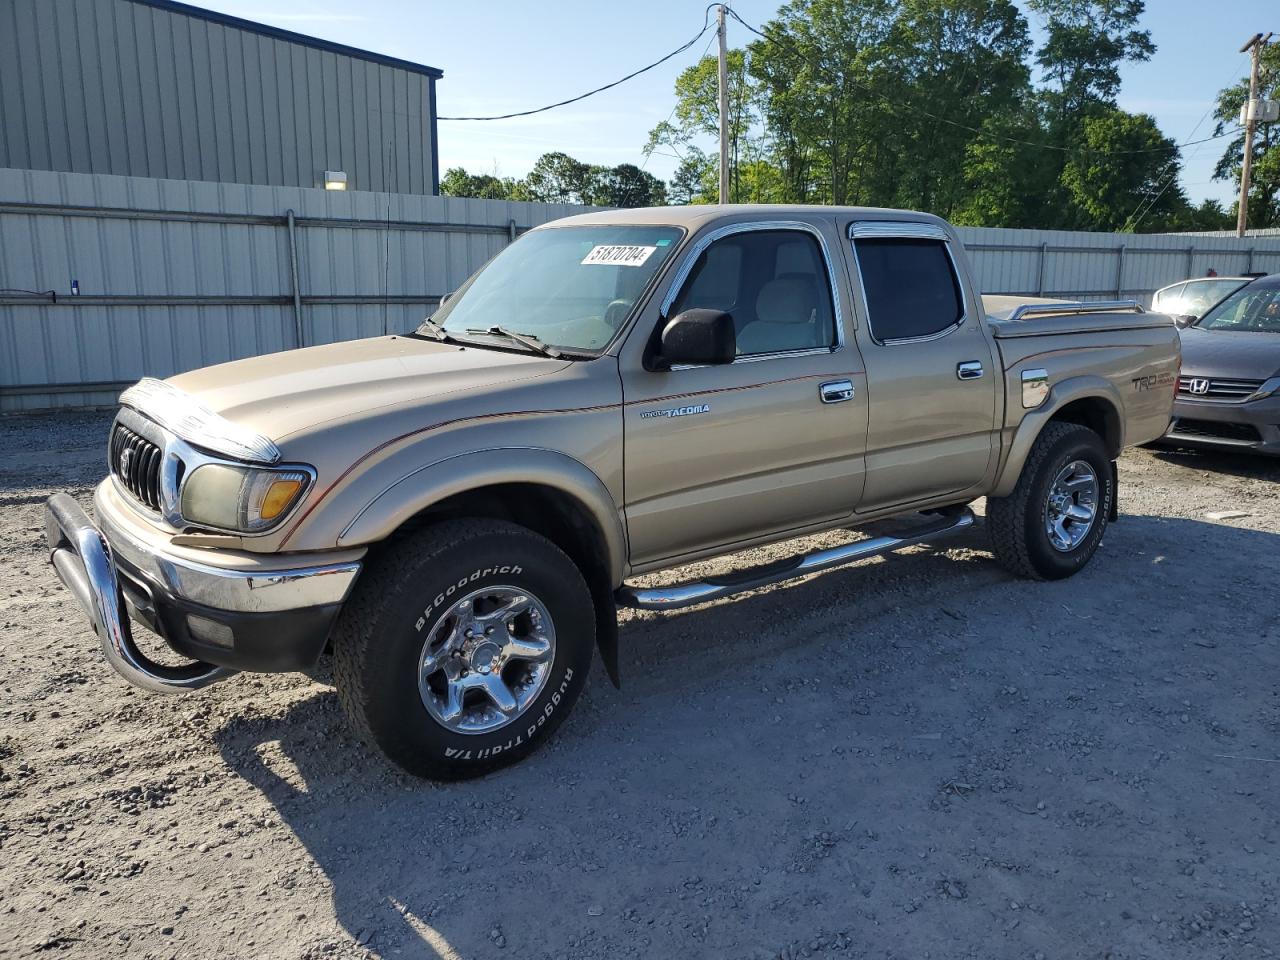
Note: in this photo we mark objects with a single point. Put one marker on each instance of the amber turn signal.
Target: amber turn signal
(279, 496)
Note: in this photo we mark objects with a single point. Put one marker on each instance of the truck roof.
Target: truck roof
(694, 216)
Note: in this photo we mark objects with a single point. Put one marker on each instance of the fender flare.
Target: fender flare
(1087, 386)
(419, 489)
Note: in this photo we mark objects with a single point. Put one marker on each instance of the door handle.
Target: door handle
(836, 391)
(969, 370)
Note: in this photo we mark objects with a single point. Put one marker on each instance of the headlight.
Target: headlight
(248, 499)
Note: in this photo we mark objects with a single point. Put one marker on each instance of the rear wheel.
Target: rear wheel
(464, 647)
(1050, 526)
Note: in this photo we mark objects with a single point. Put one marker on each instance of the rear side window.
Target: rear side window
(911, 287)
(1167, 297)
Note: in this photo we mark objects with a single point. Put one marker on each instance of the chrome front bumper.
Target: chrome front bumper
(222, 618)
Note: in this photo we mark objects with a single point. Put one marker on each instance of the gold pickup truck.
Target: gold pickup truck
(455, 513)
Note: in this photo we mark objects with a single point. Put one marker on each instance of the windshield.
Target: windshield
(1196, 297)
(571, 288)
(1254, 308)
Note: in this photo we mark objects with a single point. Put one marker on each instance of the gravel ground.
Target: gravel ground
(920, 758)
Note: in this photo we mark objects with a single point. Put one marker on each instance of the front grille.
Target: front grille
(1217, 389)
(1215, 430)
(135, 461)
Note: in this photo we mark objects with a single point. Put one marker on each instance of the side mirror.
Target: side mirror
(698, 336)
(1181, 320)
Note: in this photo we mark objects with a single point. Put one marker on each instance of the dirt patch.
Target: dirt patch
(918, 757)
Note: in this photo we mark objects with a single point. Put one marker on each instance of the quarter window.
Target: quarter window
(911, 287)
(774, 283)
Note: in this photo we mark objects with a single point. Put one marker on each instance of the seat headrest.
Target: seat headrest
(788, 299)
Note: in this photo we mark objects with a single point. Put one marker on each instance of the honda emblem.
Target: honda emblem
(1197, 386)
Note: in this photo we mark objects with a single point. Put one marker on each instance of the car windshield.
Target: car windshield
(569, 288)
(1254, 309)
(1196, 297)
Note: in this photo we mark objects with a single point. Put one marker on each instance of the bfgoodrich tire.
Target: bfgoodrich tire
(464, 647)
(1050, 526)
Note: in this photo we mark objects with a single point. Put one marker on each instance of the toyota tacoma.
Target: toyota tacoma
(455, 514)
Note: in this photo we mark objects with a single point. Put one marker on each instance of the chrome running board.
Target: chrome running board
(715, 588)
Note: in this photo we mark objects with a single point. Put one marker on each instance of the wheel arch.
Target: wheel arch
(541, 490)
(1090, 401)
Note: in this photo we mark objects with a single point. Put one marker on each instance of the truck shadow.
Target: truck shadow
(645, 788)
(1249, 466)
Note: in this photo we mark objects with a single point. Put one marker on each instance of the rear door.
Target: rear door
(718, 455)
(931, 372)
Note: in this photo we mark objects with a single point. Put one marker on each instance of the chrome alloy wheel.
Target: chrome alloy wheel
(1072, 506)
(486, 659)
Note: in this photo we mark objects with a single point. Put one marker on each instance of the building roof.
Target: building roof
(186, 9)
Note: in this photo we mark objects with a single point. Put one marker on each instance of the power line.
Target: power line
(676, 107)
(1148, 202)
(1000, 136)
(608, 86)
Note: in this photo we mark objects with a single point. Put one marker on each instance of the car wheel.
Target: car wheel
(464, 647)
(1052, 523)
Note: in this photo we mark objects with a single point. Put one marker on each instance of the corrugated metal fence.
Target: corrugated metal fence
(1103, 266)
(174, 275)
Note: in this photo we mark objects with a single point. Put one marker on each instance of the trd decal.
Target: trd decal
(1154, 380)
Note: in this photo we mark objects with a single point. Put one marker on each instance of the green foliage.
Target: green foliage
(1124, 156)
(1086, 42)
(1264, 192)
(559, 178)
(456, 182)
(930, 104)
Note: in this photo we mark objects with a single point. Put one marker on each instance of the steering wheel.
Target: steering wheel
(616, 312)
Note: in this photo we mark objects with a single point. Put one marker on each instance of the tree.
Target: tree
(963, 63)
(823, 69)
(694, 180)
(1124, 168)
(456, 182)
(626, 185)
(1264, 179)
(1086, 42)
(559, 178)
(697, 113)
(1006, 181)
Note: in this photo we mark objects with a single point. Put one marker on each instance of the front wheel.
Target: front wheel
(1050, 526)
(464, 647)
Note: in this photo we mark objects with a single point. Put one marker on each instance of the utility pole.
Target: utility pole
(1255, 46)
(724, 104)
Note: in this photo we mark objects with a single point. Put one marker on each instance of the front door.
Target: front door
(931, 374)
(718, 455)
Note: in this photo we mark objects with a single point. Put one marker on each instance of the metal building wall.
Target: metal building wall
(175, 275)
(145, 88)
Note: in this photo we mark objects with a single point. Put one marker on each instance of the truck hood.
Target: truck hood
(1230, 354)
(281, 394)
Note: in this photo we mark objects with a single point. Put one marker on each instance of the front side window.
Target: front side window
(570, 287)
(775, 285)
(1254, 308)
(911, 287)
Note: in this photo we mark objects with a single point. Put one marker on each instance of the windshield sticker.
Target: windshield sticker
(617, 255)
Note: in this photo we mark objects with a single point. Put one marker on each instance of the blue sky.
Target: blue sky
(500, 56)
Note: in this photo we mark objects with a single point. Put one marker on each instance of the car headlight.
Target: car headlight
(247, 499)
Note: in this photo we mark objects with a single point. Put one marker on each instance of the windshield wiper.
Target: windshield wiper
(429, 328)
(524, 339)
